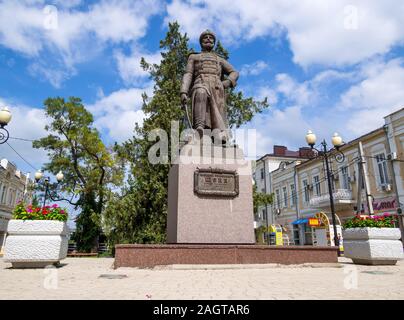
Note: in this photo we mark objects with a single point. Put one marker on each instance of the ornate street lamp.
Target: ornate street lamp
(5, 117)
(326, 154)
(38, 178)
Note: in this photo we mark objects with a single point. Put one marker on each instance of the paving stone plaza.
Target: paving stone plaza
(94, 278)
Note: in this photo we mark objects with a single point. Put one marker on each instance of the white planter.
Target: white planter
(35, 243)
(374, 246)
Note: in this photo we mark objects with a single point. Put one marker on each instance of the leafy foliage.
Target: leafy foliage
(74, 147)
(259, 234)
(261, 199)
(138, 214)
(33, 212)
(383, 221)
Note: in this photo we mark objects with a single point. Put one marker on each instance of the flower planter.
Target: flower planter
(35, 243)
(373, 246)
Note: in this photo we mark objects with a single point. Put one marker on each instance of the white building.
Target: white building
(14, 186)
(300, 186)
(265, 166)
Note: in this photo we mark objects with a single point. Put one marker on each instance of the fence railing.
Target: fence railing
(339, 194)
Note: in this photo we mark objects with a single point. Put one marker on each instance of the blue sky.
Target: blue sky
(327, 66)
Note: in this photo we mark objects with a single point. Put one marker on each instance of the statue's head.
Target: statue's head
(207, 40)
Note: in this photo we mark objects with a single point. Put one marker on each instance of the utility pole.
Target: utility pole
(330, 191)
(391, 165)
(363, 176)
(266, 205)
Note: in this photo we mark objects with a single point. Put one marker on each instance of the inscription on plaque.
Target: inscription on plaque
(216, 182)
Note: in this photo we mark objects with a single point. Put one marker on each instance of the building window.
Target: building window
(382, 168)
(278, 198)
(3, 195)
(316, 183)
(262, 174)
(285, 197)
(293, 195)
(306, 191)
(345, 178)
(10, 197)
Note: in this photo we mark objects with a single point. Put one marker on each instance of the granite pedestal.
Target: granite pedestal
(220, 214)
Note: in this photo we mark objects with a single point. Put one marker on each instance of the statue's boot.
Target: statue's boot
(200, 131)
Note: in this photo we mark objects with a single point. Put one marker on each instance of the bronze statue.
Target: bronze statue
(206, 77)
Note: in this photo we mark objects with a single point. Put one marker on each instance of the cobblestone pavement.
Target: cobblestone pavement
(94, 278)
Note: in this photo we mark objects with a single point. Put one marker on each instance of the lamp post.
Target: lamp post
(5, 117)
(39, 176)
(326, 154)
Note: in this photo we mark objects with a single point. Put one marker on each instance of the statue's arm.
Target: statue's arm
(232, 74)
(187, 78)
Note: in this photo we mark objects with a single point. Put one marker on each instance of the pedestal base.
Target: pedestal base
(146, 256)
(34, 265)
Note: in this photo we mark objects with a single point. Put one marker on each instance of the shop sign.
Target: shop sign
(314, 222)
(384, 204)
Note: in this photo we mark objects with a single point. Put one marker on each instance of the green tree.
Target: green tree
(261, 199)
(138, 213)
(74, 147)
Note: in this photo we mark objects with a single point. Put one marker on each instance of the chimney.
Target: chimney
(280, 150)
(305, 152)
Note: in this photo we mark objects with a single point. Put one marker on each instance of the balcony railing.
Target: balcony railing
(341, 196)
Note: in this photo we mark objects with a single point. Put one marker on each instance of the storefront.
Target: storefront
(4, 218)
(383, 205)
(316, 230)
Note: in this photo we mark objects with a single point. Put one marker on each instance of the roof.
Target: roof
(271, 155)
(397, 111)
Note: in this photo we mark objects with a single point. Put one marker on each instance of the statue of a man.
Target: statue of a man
(206, 77)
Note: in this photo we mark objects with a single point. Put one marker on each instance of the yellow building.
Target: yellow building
(301, 191)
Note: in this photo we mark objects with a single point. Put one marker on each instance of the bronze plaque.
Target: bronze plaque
(216, 182)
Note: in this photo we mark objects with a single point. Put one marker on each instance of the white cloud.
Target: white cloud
(254, 69)
(374, 90)
(282, 127)
(379, 93)
(118, 112)
(266, 92)
(26, 123)
(54, 76)
(129, 66)
(333, 32)
(299, 93)
(120, 21)
(72, 35)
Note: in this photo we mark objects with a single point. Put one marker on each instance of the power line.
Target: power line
(21, 139)
(372, 157)
(21, 157)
